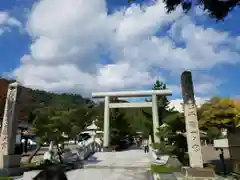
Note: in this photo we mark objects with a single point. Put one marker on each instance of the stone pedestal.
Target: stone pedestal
(10, 165)
(107, 149)
(10, 161)
(197, 174)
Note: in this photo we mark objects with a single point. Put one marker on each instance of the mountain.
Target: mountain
(31, 99)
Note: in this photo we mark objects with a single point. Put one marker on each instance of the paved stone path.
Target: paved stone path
(129, 165)
(126, 165)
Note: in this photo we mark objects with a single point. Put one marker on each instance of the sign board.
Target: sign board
(221, 143)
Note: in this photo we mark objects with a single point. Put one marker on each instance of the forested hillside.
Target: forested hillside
(33, 99)
(71, 113)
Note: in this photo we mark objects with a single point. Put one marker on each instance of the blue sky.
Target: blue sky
(83, 46)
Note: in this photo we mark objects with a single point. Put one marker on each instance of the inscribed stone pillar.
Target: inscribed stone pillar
(9, 126)
(191, 121)
(155, 118)
(106, 122)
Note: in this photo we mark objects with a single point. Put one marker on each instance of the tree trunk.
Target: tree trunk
(34, 153)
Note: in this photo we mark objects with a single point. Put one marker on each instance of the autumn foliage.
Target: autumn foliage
(220, 112)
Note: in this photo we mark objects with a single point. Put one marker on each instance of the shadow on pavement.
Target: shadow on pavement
(29, 154)
(220, 167)
(92, 160)
(133, 147)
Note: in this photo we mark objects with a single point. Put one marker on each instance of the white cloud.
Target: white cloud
(77, 46)
(206, 85)
(7, 22)
(122, 75)
(203, 85)
(205, 47)
(177, 103)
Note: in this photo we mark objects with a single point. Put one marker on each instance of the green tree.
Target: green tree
(78, 118)
(217, 9)
(163, 103)
(139, 122)
(163, 106)
(49, 125)
(213, 133)
(51, 122)
(171, 135)
(219, 112)
(120, 126)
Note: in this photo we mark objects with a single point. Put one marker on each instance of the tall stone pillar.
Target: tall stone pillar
(106, 122)
(191, 121)
(155, 118)
(9, 128)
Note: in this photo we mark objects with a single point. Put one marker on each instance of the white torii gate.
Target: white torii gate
(108, 105)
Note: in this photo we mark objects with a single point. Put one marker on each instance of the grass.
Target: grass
(209, 165)
(6, 178)
(40, 166)
(163, 169)
(33, 165)
(26, 164)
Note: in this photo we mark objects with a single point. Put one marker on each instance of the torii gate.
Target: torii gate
(108, 105)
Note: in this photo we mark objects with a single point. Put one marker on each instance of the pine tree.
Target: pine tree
(162, 102)
(163, 107)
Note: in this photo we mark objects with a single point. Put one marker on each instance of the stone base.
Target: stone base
(10, 161)
(5, 172)
(107, 149)
(197, 174)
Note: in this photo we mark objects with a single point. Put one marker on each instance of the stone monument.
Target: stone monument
(9, 129)
(192, 130)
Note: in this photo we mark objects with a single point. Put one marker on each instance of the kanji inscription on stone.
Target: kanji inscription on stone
(193, 124)
(196, 147)
(4, 142)
(194, 137)
(7, 135)
(12, 94)
(8, 115)
(4, 127)
(191, 111)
